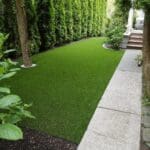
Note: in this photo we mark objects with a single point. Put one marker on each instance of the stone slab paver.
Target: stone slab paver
(124, 127)
(131, 104)
(116, 122)
(94, 141)
(127, 82)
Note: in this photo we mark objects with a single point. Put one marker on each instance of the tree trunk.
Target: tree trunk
(23, 32)
(146, 55)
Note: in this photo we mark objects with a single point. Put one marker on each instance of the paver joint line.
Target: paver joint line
(118, 110)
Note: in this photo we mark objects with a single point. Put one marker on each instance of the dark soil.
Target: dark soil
(34, 140)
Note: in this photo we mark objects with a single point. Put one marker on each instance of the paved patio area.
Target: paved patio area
(116, 122)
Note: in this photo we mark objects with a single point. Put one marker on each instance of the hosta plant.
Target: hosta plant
(12, 109)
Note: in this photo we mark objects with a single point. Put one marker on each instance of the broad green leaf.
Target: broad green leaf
(2, 70)
(27, 105)
(11, 118)
(10, 132)
(9, 51)
(14, 69)
(12, 62)
(28, 114)
(8, 75)
(4, 90)
(8, 100)
(2, 115)
(5, 65)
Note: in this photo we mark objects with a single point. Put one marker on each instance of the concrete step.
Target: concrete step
(135, 41)
(134, 37)
(134, 46)
(137, 34)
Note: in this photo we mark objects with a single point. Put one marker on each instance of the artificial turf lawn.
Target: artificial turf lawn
(66, 86)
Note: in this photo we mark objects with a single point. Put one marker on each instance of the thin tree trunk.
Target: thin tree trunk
(23, 32)
(146, 55)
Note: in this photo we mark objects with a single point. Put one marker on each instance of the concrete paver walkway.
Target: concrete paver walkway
(116, 122)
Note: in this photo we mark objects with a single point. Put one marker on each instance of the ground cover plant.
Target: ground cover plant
(66, 86)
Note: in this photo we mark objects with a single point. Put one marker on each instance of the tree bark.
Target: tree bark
(23, 32)
(146, 55)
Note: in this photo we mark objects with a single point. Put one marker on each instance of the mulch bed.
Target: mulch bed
(34, 140)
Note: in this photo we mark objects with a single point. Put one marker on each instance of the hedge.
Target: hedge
(60, 22)
(54, 22)
(9, 24)
(69, 20)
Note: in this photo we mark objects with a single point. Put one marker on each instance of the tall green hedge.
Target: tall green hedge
(9, 23)
(61, 30)
(1, 15)
(69, 20)
(46, 23)
(54, 22)
(90, 17)
(77, 19)
(33, 31)
(122, 8)
(84, 17)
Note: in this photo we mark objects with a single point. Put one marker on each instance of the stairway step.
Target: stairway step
(135, 41)
(135, 46)
(137, 34)
(136, 37)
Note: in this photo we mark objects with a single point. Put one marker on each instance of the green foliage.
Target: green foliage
(53, 22)
(122, 10)
(3, 38)
(103, 17)
(34, 38)
(84, 17)
(77, 19)
(94, 26)
(116, 26)
(12, 109)
(145, 4)
(115, 34)
(61, 30)
(90, 18)
(10, 132)
(10, 24)
(46, 23)
(69, 20)
(1, 15)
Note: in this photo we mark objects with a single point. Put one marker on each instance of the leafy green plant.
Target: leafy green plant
(115, 34)
(12, 109)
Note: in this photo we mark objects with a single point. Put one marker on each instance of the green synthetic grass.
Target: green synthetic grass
(66, 86)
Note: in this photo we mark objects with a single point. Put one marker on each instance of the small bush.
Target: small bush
(114, 34)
